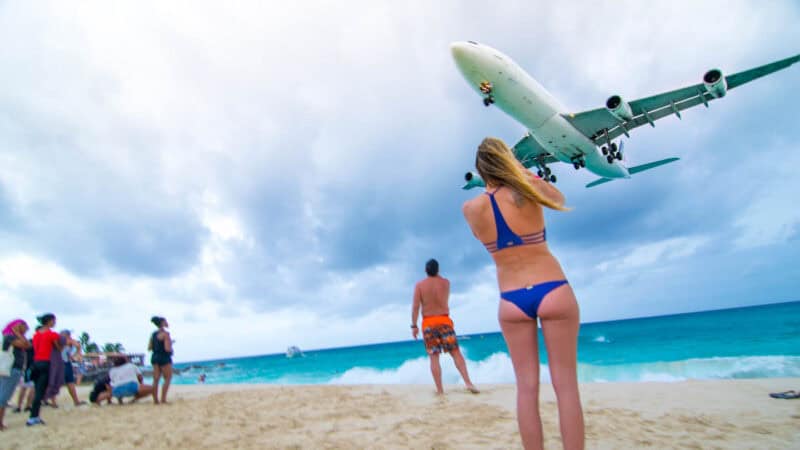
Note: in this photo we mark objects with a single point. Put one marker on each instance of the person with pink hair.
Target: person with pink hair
(14, 341)
(9, 329)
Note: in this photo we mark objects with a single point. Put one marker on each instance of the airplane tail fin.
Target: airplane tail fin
(635, 169)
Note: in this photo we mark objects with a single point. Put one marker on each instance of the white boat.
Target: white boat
(293, 351)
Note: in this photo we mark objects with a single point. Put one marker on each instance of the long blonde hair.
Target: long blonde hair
(497, 165)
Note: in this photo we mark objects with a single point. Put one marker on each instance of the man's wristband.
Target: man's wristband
(413, 326)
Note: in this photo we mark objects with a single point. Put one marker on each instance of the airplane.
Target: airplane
(584, 139)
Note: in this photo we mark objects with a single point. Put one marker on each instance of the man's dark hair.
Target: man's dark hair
(432, 267)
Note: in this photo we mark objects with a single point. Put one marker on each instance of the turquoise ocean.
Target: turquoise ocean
(750, 342)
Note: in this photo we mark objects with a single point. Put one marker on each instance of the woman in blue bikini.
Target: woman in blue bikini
(509, 220)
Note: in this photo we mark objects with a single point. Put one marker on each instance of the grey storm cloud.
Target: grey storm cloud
(53, 299)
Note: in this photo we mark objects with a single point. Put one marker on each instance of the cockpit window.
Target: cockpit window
(472, 42)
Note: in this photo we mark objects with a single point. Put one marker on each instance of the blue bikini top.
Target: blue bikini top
(505, 237)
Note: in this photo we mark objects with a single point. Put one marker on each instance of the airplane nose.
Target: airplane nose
(459, 50)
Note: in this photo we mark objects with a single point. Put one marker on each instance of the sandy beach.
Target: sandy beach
(730, 414)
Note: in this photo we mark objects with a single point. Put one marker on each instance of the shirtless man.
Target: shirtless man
(432, 295)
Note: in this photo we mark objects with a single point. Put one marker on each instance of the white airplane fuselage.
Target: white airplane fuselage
(520, 96)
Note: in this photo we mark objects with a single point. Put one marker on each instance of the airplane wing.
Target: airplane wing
(531, 153)
(595, 123)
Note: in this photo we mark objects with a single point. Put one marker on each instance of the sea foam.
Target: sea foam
(497, 368)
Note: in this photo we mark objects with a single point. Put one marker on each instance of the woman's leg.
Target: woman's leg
(73, 392)
(31, 393)
(167, 371)
(41, 372)
(560, 322)
(436, 372)
(21, 397)
(156, 376)
(519, 331)
(145, 390)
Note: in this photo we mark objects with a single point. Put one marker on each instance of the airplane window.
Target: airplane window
(473, 42)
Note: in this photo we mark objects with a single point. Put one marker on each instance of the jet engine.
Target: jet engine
(715, 83)
(473, 180)
(619, 108)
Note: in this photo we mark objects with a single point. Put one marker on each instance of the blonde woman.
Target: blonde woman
(509, 220)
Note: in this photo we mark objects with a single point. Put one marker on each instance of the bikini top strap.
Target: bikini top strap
(505, 237)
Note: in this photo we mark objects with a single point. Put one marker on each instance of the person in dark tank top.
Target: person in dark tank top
(161, 360)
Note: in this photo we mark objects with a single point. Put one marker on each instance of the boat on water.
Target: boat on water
(293, 352)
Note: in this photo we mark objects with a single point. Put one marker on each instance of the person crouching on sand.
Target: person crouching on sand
(101, 391)
(509, 220)
(432, 295)
(126, 381)
(161, 346)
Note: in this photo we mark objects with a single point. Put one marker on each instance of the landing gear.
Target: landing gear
(578, 162)
(486, 88)
(612, 152)
(546, 174)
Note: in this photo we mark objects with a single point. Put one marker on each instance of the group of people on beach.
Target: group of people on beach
(508, 219)
(124, 379)
(41, 365)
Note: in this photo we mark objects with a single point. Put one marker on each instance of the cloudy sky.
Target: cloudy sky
(273, 174)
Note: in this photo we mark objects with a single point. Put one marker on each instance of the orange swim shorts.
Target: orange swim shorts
(439, 335)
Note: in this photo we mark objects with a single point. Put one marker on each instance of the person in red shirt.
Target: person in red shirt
(44, 341)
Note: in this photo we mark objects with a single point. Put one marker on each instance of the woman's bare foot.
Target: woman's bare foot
(473, 389)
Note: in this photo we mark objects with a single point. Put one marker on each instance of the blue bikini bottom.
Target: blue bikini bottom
(529, 298)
